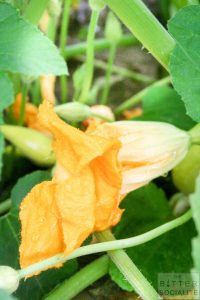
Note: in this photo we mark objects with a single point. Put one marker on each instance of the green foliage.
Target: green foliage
(27, 50)
(6, 98)
(146, 209)
(185, 59)
(164, 104)
(9, 244)
(6, 91)
(195, 204)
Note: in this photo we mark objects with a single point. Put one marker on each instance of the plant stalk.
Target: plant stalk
(5, 206)
(146, 28)
(89, 57)
(99, 45)
(126, 266)
(63, 42)
(82, 279)
(25, 87)
(111, 58)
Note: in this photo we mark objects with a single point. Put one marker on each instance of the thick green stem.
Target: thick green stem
(84, 278)
(99, 45)
(5, 206)
(23, 104)
(138, 97)
(63, 42)
(107, 246)
(111, 59)
(147, 29)
(35, 10)
(89, 57)
(131, 273)
(195, 134)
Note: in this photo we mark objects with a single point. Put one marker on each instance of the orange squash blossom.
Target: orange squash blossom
(94, 172)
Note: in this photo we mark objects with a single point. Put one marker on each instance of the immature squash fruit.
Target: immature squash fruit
(185, 173)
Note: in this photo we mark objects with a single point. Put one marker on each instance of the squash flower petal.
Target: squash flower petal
(82, 197)
(149, 149)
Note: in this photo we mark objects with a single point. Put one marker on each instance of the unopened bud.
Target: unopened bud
(9, 279)
(73, 112)
(113, 30)
(97, 5)
(33, 144)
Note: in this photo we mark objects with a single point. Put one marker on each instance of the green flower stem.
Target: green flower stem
(138, 97)
(82, 279)
(23, 104)
(147, 29)
(111, 58)
(107, 246)
(124, 72)
(89, 57)
(5, 206)
(63, 42)
(35, 10)
(126, 266)
(99, 45)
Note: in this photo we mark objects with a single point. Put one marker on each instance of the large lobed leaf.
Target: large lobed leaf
(9, 244)
(24, 49)
(185, 58)
(145, 209)
(163, 104)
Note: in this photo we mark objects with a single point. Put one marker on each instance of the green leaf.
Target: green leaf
(145, 209)
(24, 49)
(185, 58)
(9, 244)
(6, 91)
(195, 205)
(164, 104)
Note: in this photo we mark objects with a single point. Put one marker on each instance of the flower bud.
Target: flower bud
(100, 114)
(33, 144)
(97, 5)
(9, 279)
(185, 174)
(73, 112)
(113, 30)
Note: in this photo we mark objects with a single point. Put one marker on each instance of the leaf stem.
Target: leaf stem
(111, 58)
(35, 10)
(107, 246)
(82, 279)
(89, 57)
(63, 42)
(5, 206)
(124, 72)
(147, 29)
(25, 87)
(129, 269)
(99, 45)
(138, 97)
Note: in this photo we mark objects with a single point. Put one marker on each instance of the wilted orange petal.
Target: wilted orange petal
(41, 225)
